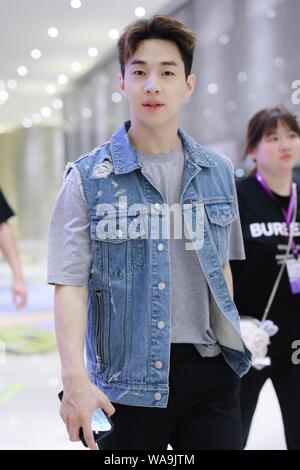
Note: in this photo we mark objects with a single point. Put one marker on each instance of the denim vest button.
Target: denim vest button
(119, 233)
(160, 247)
(157, 396)
(158, 365)
(161, 285)
(161, 324)
(157, 206)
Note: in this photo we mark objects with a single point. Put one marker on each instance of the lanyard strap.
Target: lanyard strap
(279, 276)
(287, 214)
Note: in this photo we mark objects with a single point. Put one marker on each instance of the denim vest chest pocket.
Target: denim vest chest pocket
(220, 215)
(118, 245)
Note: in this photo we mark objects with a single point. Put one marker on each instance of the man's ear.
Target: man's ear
(190, 86)
(122, 85)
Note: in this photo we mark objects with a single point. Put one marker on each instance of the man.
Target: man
(9, 248)
(163, 342)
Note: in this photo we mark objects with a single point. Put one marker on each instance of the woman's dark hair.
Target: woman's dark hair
(157, 27)
(265, 123)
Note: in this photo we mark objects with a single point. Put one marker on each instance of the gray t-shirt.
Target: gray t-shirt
(189, 290)
(69, 251)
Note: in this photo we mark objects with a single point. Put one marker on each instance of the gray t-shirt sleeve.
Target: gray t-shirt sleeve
(236, 243)
(69, 244)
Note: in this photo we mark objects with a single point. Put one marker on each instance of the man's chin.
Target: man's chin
(156, 120)
(151, 122)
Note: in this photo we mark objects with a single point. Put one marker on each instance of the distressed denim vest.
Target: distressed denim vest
(129, 305)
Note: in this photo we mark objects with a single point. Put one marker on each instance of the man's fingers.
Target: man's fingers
(88, 435)
(74, 431)
(68, 426)
(65, 420)
(107, 406)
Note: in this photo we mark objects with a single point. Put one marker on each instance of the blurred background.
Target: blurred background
(59, 98)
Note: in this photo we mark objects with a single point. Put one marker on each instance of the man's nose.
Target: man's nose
(152, 85)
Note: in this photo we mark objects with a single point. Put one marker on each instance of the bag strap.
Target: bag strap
(290, 242)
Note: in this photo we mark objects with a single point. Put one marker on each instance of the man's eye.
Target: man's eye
(138, 72)
(168, 72)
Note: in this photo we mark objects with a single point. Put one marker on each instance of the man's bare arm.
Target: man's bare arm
(81, 397)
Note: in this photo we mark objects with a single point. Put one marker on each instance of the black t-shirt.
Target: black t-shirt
(265, 239)
(5, 210)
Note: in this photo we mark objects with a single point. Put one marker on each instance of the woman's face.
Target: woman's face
(278, 152)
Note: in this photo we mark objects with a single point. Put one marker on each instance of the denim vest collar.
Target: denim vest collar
(125, 159)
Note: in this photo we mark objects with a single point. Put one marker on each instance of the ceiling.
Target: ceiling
(24, 26)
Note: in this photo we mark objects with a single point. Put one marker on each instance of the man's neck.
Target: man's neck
(279, 184)
(153, 140)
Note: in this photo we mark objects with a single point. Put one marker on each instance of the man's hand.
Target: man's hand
(80, 400)
(19, 292)
(81, 397)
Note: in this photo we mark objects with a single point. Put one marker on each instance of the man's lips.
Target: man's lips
(152, 107)
(153, 104)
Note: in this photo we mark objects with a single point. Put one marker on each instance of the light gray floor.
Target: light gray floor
(29, 407)
(31, 415)
(267, 428)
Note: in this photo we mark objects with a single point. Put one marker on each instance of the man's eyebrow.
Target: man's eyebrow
(143, 62)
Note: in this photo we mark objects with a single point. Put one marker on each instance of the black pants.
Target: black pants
(286, 381)
(202, 411)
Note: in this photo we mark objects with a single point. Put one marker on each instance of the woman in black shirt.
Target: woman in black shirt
(9, 248)
(5, 210)
(266, 209)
